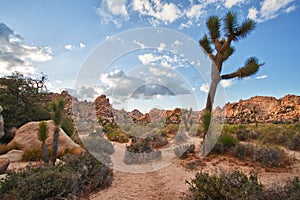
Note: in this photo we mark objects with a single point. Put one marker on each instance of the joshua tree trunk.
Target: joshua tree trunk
(55, 145)
(215, 79)
(45, 153)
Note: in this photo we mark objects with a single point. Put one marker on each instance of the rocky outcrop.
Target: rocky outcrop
(4, 162)
(263, 109)
(13, 155)
(260, 109)
(103, 108)
(26, 137)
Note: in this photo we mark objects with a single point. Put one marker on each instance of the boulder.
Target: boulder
(13, 155)
(4, 162)
(26, 137)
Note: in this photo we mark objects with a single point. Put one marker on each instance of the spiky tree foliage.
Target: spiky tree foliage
(42, 136)
(57, 108)
(219, 49)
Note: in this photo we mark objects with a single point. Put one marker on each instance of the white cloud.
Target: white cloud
(195, 11)
(204, 88)
(117, 7)
(141, 45)
(69, 47)
(272, 8)
(58, 81)
(161, 47)
(226, 83)
(16, 56)
(157, 83)
(231, 3)
(252, 13)
(290, 9)
(148, 58)
(262, 77)
(82, 45)
(158, 12)
(114, 11)
(157, 71)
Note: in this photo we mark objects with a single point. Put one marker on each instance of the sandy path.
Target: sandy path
(169, 182)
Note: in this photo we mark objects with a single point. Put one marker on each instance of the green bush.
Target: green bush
(99, 147)
(232, 186)
(75, 180)
(68, 126)
(242, 134)
(33, 155)
(118, 136)
(4, 148)
(225, 143)
(266, 155)
(140, 151)
(238, 186)
(294, 142)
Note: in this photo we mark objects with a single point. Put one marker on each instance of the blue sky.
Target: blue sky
(137, 67)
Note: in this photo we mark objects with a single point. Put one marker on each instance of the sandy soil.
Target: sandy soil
(170, 182)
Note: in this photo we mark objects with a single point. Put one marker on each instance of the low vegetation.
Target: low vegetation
(4, 148)
(269, 156)
(287, 135)
(141, 151)
(76, 179)
(238, 186)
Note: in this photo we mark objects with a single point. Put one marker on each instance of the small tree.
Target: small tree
(57, 108)
(222, 50)
(42, 136)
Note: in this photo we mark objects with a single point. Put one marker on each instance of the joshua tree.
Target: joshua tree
(57, 108)
(43, 135)
(232, 31)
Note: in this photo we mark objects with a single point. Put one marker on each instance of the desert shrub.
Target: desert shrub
(238, 186)
(294, 142)
(75, 180)
(140, 151)
(171, 129)
(242, 134)
(243, 151)
(138, 158)
(98, 144)
(139, 145)
(270, 156)
(33, 155)
(68, 126)
(37, 154)
(235, 185)
(99, 147)
(224, 143)
(266, 155)
(157, 141)
(118, 136)
(206, 117)
(6, 148)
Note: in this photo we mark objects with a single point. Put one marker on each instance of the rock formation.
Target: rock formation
(263, 109)
(103, 108)
(4, 162)
(260, 109)
(26, 137)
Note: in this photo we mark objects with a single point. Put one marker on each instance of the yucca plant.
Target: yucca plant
(42, 136)
(57, 108)
(217, 45)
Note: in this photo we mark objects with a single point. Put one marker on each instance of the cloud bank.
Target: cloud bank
(15, 56)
